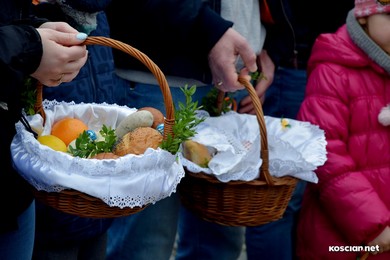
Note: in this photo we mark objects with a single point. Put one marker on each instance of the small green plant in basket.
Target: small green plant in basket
(209, 103)
(228, 103)
(87, 145)
(186, 121)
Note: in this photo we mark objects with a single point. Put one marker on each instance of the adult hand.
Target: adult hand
(267, 68)
(63, 55)
(383, 240)
(223, 57)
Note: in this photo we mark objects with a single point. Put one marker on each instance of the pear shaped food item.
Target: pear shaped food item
(196, 153)
(137, 141)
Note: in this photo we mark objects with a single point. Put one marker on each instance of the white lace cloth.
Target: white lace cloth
(234, 139)
(131, 180)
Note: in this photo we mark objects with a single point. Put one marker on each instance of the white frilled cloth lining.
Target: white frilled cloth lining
(234, 141)
(130, 181)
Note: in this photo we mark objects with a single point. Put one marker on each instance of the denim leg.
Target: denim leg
(276, 240)
(93, 248)
(203, 240)
(57, 252)
(285, 95)
(148, 234)
(19, 244)
(270, 241)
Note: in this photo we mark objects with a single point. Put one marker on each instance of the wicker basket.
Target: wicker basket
(83, 205)
(239, 203)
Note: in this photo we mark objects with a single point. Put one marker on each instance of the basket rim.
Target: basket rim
(276, 181)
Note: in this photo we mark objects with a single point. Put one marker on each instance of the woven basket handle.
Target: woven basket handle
(98, 40)
(264, 154)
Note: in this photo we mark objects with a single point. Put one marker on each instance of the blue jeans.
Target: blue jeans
(150, 233)
(93, 248)
(285, 95)
(276, 240)
(203, 240)
(18, 244)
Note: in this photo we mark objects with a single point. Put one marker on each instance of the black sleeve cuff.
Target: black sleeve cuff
(211, 27)
(24, 48)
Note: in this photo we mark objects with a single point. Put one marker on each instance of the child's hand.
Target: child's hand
(383, 240)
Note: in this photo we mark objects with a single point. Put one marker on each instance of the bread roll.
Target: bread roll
(137, 141)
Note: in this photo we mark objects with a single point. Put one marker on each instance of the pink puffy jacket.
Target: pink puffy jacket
(350, 205)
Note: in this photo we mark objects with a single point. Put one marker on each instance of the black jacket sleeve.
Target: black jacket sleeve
(20, 48)
(176, 34)
(294, 29)
(20, 55)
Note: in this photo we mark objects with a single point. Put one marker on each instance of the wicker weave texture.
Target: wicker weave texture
(235, 203)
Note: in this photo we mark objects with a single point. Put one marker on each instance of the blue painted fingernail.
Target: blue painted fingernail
(81, 36)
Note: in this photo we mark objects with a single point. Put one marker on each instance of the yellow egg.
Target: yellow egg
(53, 142)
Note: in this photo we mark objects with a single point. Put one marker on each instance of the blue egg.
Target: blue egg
(160, 128)
(92, 135)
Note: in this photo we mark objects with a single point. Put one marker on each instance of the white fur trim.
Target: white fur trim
(384, 116)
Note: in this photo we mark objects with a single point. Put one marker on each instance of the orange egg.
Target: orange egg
(68, 129)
